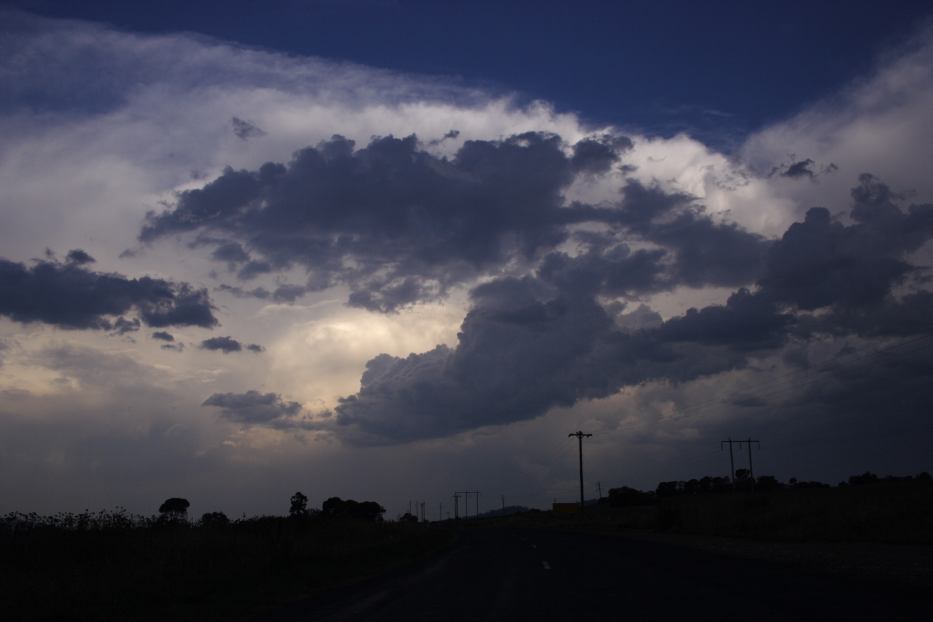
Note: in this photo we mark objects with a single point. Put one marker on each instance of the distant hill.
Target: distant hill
(508, 510)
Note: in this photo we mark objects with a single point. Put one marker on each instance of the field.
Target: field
(107, 567)
(111, 566)
(897, 513)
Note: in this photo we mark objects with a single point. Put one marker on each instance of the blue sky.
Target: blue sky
(391, 250)
(718, 69)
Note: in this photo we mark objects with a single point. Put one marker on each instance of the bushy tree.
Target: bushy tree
(299, 506)
(214, 519)
(174, 509)
(335, 507)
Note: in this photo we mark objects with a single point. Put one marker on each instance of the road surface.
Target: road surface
(513, 574)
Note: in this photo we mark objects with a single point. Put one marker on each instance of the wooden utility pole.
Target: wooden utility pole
(730, 442)
(731, 458)
(580, 436)
(751, 470)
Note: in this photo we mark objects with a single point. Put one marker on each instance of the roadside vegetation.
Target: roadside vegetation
(865, 508)
(119, 566)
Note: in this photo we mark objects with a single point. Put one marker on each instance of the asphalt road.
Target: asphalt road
(498, 574)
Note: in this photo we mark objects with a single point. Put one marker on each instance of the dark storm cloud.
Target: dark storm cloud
(283, 293)
(161, 335)
(227, 345)
(175, 347)
(121, 325)
(224, 344)
(799, 169)
(912, 314)
(868, 393)
(230, 252)
(532, 344)
(611, 268)
(70, 296)
(411, 224)
(593, 156)
(254, 268)
(399, 225)
(746, 321)
(803, 169)
(525, 347)
(257, 292)
(705, 252)
(255, 408)
(245, 130)
(821, 262)
(78, 257)
(450, 135)
(641, 318)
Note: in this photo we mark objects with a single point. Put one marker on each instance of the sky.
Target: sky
(392, 250)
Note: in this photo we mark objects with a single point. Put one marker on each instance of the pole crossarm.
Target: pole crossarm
(730, 442)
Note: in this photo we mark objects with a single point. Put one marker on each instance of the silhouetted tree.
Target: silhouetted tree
(669, 489)
(299, 507)
(408, 517)
(174, 509)
(767, 482)
(625, 496)
(335, 507)
(865, 478)
(214, 519)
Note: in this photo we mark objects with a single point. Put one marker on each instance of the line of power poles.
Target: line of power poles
(419, 510)
(748, 442)
(466, 503)
(580, 435)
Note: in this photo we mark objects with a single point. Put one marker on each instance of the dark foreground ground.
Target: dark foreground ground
(534, 574)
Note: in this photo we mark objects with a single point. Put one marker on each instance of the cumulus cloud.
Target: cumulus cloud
(819, 262)
(162, 335)
(532, 344)
(400, 225)
(121, 325)
(255, 408)
(412, 224)
(525, 347)
(244, 130)
(70, 296)
(79, 257)
(228, 344)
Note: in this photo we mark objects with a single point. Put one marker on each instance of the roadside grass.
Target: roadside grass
(125, 569)
(896, 513)
(884, 512)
